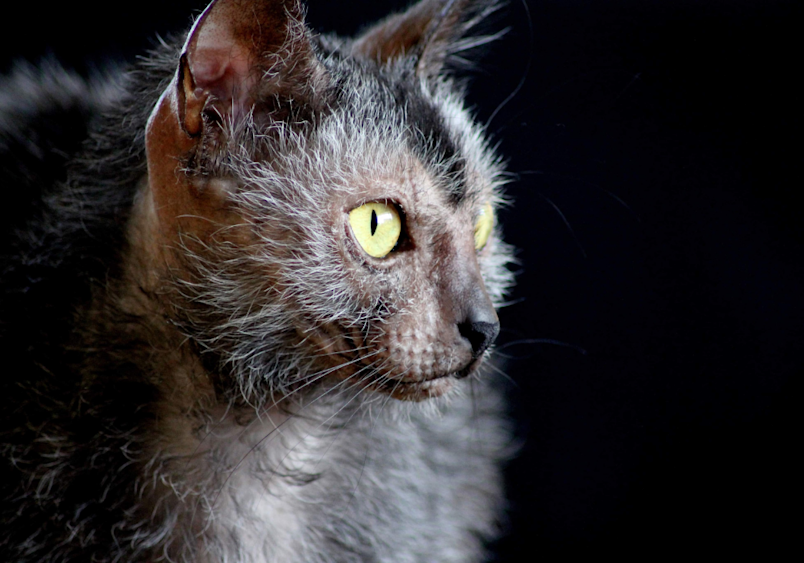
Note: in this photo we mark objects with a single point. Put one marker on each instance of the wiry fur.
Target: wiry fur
(222, 408)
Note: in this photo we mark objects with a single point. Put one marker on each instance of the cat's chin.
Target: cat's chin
(417, 391)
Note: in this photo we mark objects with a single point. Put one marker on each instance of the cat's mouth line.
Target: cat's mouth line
(415, 390)
(430, 387)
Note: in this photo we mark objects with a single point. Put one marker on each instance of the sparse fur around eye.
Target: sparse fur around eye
(211, 370)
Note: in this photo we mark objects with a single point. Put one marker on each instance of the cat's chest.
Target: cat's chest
(259, 510)
(296, 491)
(341, 484)
(256, 521)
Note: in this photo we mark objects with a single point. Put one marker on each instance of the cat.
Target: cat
(249, 292)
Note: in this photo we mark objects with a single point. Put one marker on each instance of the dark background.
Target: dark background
(656, 215)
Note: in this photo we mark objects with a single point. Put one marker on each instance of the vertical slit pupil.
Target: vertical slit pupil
(373, 222)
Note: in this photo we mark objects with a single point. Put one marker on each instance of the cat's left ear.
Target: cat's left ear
(432, 31)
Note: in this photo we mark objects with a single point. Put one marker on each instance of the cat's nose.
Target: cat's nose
(481, 325)
(480, 335)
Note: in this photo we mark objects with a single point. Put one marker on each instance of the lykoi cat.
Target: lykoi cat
(253, 299)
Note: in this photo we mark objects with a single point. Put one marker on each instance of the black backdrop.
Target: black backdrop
(654, 209)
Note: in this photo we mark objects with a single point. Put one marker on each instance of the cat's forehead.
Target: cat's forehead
(407, 182)
(377, 162)
(416, 132)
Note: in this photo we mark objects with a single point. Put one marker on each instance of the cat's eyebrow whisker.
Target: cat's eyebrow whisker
(510, 302)
(585, 183)
(565, 220)
(522, 80)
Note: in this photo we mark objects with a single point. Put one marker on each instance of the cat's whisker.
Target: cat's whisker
(309, 380)
(490, 365)
(548, 341)
(322, 373)
(357, 393)
(383, 404)
(342, 407)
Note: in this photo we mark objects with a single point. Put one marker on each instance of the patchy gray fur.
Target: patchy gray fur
(237, 405)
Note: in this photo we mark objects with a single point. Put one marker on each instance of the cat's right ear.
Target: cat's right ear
(239, 58)
(240, 51)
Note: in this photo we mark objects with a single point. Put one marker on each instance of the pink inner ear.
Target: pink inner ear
(218, 63)
(222, 73)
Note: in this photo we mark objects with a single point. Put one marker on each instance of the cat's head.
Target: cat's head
(323, 208)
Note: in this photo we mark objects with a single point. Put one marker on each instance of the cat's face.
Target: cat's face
(328, 220)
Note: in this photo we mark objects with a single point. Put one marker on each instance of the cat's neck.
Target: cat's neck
(222, 474)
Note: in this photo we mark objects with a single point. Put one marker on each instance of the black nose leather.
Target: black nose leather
(480, 334)
(480, 328)
(467, 299)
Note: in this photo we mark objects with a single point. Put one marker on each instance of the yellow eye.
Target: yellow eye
(376, 226)
(484, 225)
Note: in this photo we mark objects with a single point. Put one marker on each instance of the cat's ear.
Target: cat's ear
(241, 51)
(433, 31)
(239, 58)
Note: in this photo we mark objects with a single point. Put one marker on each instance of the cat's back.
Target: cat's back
(45, 116)
(60, 228)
